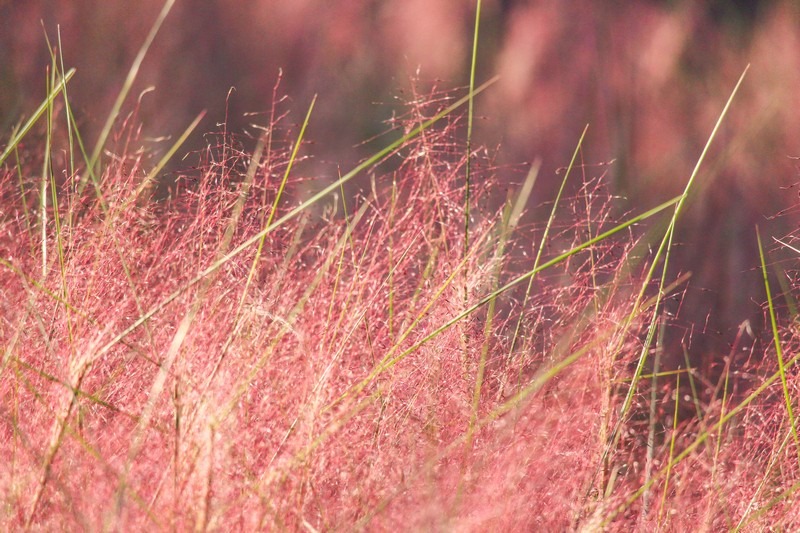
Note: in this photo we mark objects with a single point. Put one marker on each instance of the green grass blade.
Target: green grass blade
(671, 448)
(664, 250)
(545, 236)
(52, 94)
(468, 166)
(123, 94)
(778, 349)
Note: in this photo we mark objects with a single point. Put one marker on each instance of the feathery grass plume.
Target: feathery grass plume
(243, 354)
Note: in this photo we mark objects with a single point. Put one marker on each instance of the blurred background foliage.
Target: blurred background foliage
(650, 77)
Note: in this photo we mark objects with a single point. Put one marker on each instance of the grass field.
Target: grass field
(252, 348)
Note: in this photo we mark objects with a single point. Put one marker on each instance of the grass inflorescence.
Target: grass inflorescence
(254, 349)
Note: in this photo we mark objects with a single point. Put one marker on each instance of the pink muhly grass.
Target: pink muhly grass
(258, 422)
(310, 384)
